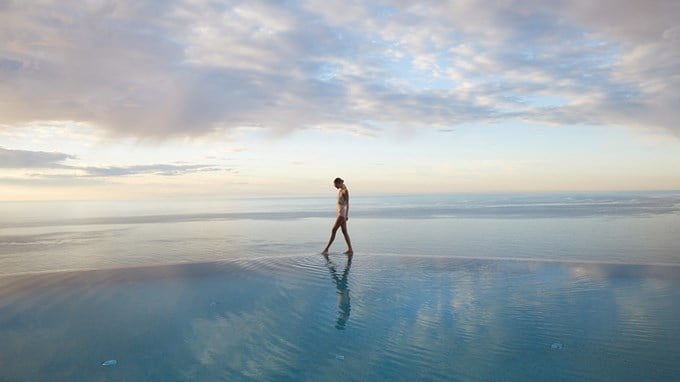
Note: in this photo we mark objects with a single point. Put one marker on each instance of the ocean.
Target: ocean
(451, 287)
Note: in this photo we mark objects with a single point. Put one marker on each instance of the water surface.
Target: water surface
(621, 227)
(479, 287)
(305, 318)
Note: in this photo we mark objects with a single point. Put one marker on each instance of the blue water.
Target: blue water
(561, 287)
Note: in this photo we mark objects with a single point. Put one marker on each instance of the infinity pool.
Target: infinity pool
(372, 317)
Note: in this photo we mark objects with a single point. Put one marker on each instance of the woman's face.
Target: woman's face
(337, 184)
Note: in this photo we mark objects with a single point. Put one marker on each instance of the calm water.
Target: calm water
(624, 227)
(561, 287)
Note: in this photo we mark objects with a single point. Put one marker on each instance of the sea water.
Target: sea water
(442, 287)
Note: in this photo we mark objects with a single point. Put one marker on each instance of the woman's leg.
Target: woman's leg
(338, 223)
(346, 235)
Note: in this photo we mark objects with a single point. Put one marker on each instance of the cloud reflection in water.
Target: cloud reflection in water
(412, 318)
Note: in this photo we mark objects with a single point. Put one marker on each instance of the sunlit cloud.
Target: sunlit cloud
(155, 169)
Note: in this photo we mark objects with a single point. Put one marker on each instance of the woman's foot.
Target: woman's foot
(349, 252)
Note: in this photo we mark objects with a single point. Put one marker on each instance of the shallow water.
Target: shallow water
(560, 287)
(305, 318)
(622, 227)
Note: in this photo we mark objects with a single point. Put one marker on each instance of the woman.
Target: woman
(343, 216)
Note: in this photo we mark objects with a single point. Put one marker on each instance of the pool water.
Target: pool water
(372, 317)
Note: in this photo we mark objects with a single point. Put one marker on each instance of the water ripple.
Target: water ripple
(366, 318)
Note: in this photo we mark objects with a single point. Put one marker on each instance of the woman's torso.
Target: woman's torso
(342, 196)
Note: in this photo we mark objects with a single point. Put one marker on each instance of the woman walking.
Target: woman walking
(343, 216)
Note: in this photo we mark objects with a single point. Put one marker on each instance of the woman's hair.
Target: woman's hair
(338, 180)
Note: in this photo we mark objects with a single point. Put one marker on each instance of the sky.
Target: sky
(210, 99)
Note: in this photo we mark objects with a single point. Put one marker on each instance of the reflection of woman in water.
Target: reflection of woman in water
(342, 293)
(343, 216)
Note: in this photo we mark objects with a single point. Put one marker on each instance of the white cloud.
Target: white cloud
(186, 68)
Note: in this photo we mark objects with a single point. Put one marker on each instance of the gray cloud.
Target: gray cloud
(185, 68)
(22, 159)
(31, 159)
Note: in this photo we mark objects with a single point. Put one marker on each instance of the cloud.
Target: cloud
(154, 169)
(186, 68)
(31, 159)
(22, 159)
